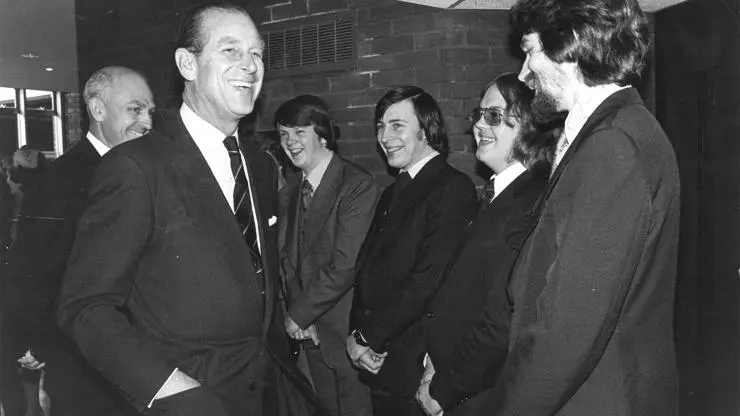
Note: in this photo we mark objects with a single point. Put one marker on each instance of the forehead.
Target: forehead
(493, 98)
(530, 40)
(220, 27)
(130, 86)
(402, 110)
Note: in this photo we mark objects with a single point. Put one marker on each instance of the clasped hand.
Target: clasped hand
(364, 357)
(294, 331)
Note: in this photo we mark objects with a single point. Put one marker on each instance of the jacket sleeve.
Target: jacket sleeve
(477, 359)
(335, 277)
(111, 236)
(601, 242)
(447, 211)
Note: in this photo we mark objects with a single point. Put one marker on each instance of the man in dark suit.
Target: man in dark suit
(170, 290)
(119, 103)
(417, 220)
(593, 288)
(325, 212)
(467, 324)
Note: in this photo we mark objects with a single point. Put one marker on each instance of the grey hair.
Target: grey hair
(102, 79)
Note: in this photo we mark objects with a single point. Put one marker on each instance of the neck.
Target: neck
(227, 127)
(97, 131)
(325, 154)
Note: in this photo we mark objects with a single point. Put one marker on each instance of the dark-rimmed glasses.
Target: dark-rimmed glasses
(491, 115)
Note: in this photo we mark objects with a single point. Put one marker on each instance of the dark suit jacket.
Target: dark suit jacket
(467, 325)
(45, 231)
(321, 272)
(593, 289)
(399, 265)
(160, 277)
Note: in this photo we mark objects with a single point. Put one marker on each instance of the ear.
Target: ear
(186, 63)
(96, 108)
(323, 142)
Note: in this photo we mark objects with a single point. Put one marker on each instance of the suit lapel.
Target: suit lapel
(292, 231)
(322, 202)
(613, 102)
(260, 191)
(420, 186)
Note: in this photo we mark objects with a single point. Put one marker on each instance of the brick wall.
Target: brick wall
(449, 53)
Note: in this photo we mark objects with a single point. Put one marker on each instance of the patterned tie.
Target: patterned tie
(560, 150)
(306, 194)
(243, 206)
(488, 193)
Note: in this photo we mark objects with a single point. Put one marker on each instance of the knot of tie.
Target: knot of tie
(231, 145)
(489, 192)
(306, 193)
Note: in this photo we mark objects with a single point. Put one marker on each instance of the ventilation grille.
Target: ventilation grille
(310, 47)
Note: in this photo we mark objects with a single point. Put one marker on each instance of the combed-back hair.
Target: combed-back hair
(535, 143)
(102, 79)
(309, 110)
(427, 112)
(608, 39)
(190, 34)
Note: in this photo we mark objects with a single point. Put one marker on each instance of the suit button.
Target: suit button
(429, 315)
(252, 386)
(368, 313)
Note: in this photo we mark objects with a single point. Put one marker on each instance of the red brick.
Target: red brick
(364, 47)
(376, 62)
(371, 163)
(357, 147)
(464, 56)
(367, 97)
(433, 40)
(315, 85)
(336, 101)
(394, 77)
(287, 11)
(392, 44)
(457, 125)
(414, 24)
(358, 131)
(349, 82)
(321, 6)
(452, 108)
(374, 30)
(440, 73)
(471, 20)
(460, 89)
(391, 11)
(428, 59)
(350, 115)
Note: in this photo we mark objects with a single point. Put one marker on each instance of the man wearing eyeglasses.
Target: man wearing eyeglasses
(467, 323)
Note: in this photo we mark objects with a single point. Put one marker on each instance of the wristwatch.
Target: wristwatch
(359, 339)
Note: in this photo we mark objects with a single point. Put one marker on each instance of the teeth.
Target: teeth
(240, 84)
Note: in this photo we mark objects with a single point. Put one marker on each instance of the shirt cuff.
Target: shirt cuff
(149, 406)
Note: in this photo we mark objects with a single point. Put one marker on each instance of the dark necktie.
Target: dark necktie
(402, 181)
(488, 193)
(306, 194)
(243, 206)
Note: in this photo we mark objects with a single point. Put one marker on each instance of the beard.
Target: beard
(544, 105)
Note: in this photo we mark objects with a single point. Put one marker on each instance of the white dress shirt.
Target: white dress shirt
(97, 144)
(506, 177)
(314, 178)
(416, 167)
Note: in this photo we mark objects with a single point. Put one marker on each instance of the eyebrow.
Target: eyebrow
(397, 120)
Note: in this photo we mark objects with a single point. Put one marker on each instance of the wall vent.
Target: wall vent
(310, 45)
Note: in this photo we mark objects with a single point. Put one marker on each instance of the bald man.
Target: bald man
(119, 104)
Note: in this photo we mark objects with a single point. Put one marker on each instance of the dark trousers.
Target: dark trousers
(386, 404)
(338, 387)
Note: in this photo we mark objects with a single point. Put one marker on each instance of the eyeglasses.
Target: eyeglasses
(491, 115)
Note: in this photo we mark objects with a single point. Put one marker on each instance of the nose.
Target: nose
(249, 62)
(145, 119)
(524, 71)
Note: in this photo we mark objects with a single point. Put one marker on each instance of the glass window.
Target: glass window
(39, 100)
(40, 132)
(8, 134)
(7, 97)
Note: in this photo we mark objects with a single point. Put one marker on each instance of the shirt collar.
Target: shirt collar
(101, 148)
(203, 132)
(507, 176)
(416, 167)
(318, 172)
(583, 109)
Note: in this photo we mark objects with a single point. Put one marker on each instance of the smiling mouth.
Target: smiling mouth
(295, 152)
(485, 141)
(392, 150)
(241, 85)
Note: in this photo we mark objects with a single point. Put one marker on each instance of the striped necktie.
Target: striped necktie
(243, 205)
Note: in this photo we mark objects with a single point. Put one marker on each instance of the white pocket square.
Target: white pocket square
(272, 221)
